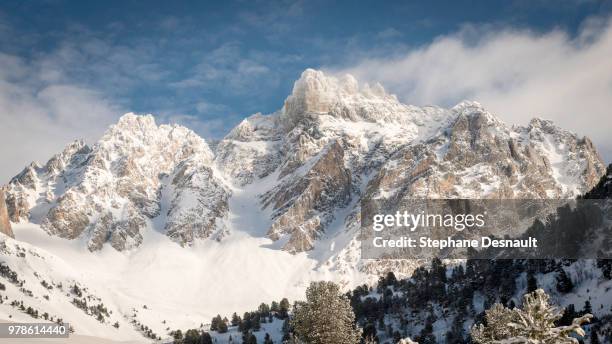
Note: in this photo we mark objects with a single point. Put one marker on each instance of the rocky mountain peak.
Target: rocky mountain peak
(60, 161)
(28, 176)
(255, 127)
(137, 137)
(110, 192)
(538, 122)
(474, 111)
(336, 141)
(134, 123)
(317, 93)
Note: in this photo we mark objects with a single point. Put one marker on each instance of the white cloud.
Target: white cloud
(38, 118)
(48, 100)
(516, 74)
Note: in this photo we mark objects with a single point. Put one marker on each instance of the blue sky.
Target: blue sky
(207, 65)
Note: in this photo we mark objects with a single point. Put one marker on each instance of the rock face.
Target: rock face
(251, 150)
(478, 156)
(199, 202)
(333, 144)
(603, 189)
(5, 224)
(305, 205)
(110, 192)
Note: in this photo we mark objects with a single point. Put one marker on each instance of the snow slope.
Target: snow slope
(181, 286)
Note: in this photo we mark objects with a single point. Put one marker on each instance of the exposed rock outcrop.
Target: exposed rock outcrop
(199, 204)
(603, 189)
(382, 148)
(479, 156)
(304, 205)
(5, 224)
(110, 192)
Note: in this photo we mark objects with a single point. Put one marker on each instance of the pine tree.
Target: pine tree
(534, 323)
(326, 317)
(457, 333)
(369, 331)
(427, 336)
(532, 282)
(256, 322)
(594, 337)
(284, 308)
(205, 338)
(275, 308)
(287, 330)
(606, 267)
(222, 326)
(388, 280)
(245, 324)
(236, 319)
(263, 309)
(215, 323)
(192, 336)
(564, 283)
(177, 335)
(249, 338)
(568, 315)
(587, 307)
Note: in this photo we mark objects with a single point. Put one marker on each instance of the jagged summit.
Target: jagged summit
(132, 121)
(317, 84)
(111, 192)
(141, 129)
(470, 107)
(317, 93)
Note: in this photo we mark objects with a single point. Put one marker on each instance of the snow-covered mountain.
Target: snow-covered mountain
(275, 205)
(333, 142)
(137, 171)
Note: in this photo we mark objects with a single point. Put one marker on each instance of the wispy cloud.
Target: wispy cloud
(40, 117)
(232, 68)
(518, 74)
(75, 79)
(274, 18)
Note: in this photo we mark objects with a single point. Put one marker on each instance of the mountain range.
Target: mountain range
(155, 215)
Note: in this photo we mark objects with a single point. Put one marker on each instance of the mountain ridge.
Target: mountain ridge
(332, 142)
(274, 206)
